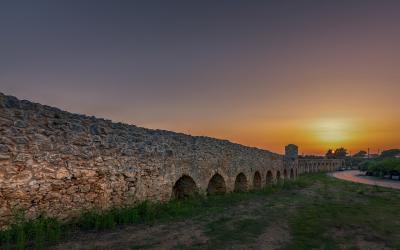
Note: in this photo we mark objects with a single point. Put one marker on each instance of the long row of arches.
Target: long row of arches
(186, 187)
(317, 165)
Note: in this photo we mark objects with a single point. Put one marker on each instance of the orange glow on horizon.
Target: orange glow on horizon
(313, 136)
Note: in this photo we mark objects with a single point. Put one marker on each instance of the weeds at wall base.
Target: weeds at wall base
(44, 231)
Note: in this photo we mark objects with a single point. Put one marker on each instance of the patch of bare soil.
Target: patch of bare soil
(364, 244)
(310, 191)
(277, 234)
(275, 237)
(360, 240)
(165, 236)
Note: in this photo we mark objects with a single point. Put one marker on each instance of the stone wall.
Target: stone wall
(59, 163)
(316, 165)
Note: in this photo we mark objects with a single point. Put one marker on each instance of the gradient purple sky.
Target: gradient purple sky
(262, 73)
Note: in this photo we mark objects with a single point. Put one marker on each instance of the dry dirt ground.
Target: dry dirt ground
(315, 212)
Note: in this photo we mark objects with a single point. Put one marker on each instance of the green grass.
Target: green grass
(34, 233)
(234, 230)
(343, 211)
(320, 212)
(45, 231)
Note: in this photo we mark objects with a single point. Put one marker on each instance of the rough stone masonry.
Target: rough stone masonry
(59, 164)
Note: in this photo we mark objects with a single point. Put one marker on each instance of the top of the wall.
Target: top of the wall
(24, 113)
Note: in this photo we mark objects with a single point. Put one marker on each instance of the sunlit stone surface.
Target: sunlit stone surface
(59, 163)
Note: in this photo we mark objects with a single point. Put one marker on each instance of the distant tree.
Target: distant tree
(360, 154)
(364, 165)
(354, 161)
(330, 154)
(340, 152)
(390, 153)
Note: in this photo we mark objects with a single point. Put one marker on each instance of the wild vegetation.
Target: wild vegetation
(386, 164)
(315, 211)
(382, 167)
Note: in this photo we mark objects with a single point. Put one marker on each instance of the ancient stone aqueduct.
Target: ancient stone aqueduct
(60, 164)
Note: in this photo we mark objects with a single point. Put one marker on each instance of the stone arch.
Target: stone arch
(270, 178)
(216, 185)
(278, 176)
(240, 183)
(257, 180)
(184, 187)
(285, 176)
(292, 174)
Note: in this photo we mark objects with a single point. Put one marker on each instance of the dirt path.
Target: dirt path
(356, 176)
(163, 236)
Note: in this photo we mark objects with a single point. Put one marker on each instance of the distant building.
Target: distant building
(291, 152)
(370, 156)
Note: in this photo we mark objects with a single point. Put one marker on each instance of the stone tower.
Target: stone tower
(291, 152)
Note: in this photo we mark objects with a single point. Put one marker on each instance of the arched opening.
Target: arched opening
(216, 185)
(270, 178)
(184, 188)
(278, 176)
(291, 174)
(285, 176)
(240, 183)
(257, 180)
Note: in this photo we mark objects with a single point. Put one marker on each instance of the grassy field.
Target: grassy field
(315, 211)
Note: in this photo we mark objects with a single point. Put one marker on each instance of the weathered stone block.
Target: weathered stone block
(4, 157)
(21, 140)
(20, 124)
(63, 173)
(21, 178)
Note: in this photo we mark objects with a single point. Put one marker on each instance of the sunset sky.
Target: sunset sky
(320, 74)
